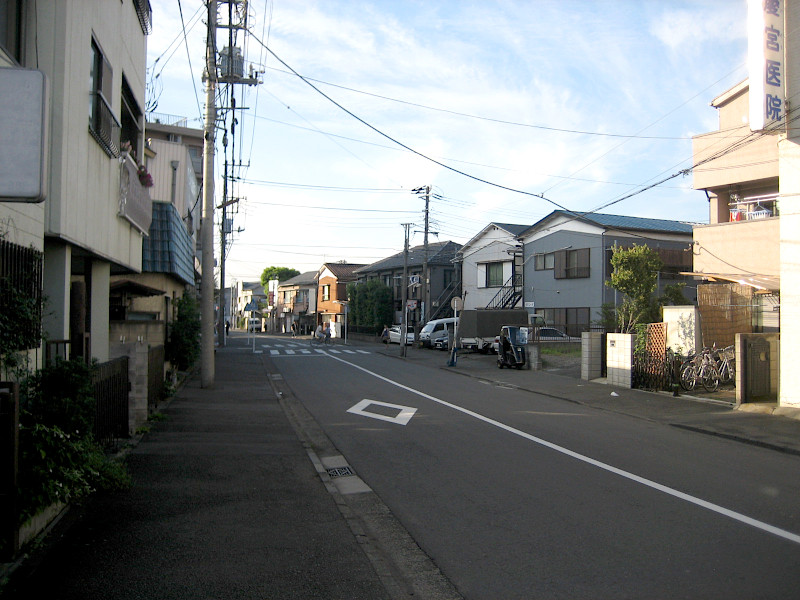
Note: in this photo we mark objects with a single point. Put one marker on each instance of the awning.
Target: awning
(132, 288)
(762, 283)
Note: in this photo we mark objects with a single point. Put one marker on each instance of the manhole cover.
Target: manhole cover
(340, 472)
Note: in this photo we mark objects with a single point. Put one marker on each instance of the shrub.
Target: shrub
(183, 345)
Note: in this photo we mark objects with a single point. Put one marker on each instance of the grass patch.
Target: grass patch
(560, 349)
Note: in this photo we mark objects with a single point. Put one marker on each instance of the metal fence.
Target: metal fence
(111, 389)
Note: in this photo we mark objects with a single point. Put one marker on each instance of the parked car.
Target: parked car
(553, 334)
(435, 330)
(395, 333)
(254, 324)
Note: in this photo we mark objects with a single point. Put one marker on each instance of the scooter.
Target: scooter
(511, 351)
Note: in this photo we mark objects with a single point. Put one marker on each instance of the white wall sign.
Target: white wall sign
(767, 63)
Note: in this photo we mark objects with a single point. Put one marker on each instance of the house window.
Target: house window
(326, 292)
(544, 262)
(571, 264)
(131, 117)
(494, 274)
(103, 125)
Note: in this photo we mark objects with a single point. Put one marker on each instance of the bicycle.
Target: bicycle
(727, 365)
(700, 368)
(320, 340)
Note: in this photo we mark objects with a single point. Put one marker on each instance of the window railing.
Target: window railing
(104, 126)
(145, 14)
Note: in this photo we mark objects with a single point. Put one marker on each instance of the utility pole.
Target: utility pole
(207, 225)
(425, 310)
(404, 322)
(231, 72)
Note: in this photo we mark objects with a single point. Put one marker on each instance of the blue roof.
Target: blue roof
(629, 223)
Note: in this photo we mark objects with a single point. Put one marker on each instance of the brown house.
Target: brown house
(332, 280)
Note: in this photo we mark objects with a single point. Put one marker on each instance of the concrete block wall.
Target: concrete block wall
(591, 355)
(137, 354)
(619, 359)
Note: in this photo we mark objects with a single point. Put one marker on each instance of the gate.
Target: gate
(111, 387)
(756, 384)
(652, 368)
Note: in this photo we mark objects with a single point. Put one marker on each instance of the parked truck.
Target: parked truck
(477, 329)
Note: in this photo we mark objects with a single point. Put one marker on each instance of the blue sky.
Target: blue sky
(570, 103)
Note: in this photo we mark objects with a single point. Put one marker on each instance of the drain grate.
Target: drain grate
(340, 472)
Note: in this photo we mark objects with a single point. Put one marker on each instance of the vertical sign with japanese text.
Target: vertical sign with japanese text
(767, 63)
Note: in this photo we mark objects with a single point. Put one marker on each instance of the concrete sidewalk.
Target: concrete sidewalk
(759, 424)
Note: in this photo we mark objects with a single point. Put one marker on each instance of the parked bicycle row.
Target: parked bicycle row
(711, 367)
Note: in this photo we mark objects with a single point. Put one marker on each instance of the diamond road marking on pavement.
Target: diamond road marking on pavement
(403, 416)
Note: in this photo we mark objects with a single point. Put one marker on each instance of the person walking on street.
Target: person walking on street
(385, 335)
(294, 329)
(327, 332)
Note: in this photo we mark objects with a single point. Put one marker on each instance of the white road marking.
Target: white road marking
(404, 413)
(721, 510)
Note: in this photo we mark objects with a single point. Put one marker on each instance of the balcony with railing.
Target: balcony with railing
(753, 207)
(135, 204)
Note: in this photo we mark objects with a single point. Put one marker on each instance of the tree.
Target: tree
(279, 273)
(370, 304)
(635, 275)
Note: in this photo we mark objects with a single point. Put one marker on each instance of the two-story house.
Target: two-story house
(567, 261)
(250, 299)
(332, 280)
(297, 303)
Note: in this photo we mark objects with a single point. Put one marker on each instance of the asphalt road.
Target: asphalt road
(517, 495)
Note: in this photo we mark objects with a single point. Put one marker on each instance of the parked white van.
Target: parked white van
(436, 330)
(254, 324)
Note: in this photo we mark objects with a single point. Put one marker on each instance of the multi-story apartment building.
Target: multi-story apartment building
(95, 209)
(441, 274)
(567, 262)
(142, 304)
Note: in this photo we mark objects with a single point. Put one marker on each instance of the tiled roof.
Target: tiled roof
(342, 271)
(439, 253)
(307, 278)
